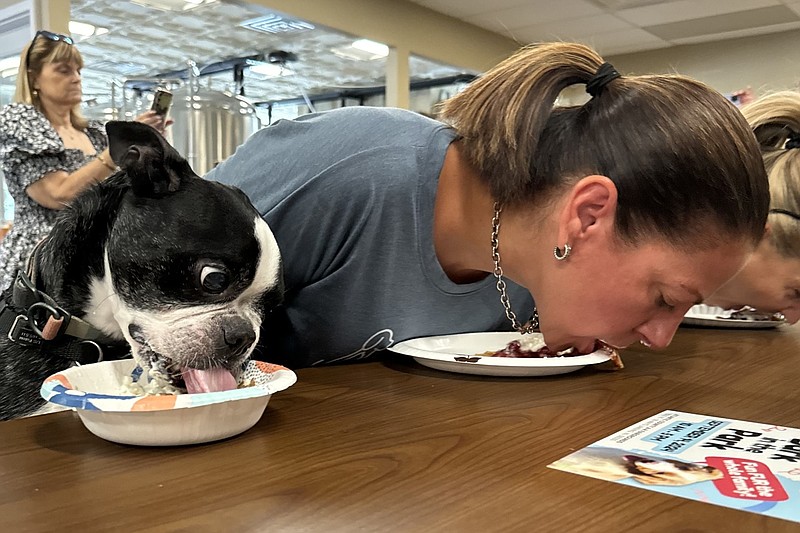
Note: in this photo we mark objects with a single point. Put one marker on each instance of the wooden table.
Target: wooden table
(393, 446)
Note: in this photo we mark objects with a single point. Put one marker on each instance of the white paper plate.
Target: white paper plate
(717, 317)
(457, 353)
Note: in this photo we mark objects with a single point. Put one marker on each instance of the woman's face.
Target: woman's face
(606, 289)
(59, 84)
(626, 294)
(769, 282)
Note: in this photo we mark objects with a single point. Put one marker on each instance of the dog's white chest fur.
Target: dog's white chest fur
(103, 305)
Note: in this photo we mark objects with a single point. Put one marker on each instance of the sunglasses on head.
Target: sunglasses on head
(56, 37)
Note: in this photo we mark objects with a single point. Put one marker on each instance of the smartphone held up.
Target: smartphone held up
(162, 100)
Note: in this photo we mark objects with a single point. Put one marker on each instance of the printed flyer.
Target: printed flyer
(743, 465)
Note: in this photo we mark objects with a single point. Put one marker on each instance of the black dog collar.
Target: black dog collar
(31, 318)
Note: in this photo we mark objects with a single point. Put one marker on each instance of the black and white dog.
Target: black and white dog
(154, 262)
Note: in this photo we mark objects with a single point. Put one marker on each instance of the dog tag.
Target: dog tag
(21, 332)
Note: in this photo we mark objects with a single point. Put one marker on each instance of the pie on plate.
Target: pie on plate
(481, 353)
(745, 318)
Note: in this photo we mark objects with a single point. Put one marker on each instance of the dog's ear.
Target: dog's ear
(154, 167)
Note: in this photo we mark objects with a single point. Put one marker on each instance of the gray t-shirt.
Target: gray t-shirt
(349, 195)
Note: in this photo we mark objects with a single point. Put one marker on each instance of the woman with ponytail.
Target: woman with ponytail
(770, 281)
(607, 220)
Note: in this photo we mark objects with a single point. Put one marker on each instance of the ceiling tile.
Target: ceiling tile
(616, 5)
(468, 8)
(573, 29)
(633, 48)
(741, 20)
(747, 32)
(613, 42)
(688, 9)
(534, 13)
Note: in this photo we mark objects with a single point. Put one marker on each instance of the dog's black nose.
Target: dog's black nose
(238, 335)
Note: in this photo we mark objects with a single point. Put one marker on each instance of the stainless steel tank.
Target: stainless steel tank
(209, 125)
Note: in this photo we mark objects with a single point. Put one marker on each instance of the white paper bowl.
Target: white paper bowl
(165, 420)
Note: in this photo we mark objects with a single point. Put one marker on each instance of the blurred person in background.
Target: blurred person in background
(49, 152)
(770, 281)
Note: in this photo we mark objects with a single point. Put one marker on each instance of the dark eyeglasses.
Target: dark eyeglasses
(56, 37)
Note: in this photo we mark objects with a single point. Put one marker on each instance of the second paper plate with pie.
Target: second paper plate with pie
(716, 317)
(466, 353)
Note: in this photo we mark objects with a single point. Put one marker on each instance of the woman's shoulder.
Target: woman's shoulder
(96, 130)
(24, 127)
(97, 125)
(15, 111)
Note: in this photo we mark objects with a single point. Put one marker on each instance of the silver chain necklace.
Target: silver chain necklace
(531, 325)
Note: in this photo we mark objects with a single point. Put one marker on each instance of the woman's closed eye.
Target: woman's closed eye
(67, 69)
(664, 304)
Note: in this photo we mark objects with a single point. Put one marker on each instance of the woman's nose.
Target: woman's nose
(791, 314)
(658, 332)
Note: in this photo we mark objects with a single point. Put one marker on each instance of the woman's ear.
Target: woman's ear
(591, 205)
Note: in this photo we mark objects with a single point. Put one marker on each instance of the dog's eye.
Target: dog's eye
(213, 279)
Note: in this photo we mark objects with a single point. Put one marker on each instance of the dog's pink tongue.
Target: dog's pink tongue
(211, 380)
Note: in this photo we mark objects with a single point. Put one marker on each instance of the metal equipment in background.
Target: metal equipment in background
(209, 125)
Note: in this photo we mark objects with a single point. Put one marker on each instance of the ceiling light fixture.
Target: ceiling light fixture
(173, 5)
(9, 66)
(9, 62)
(269, 70)
(371, 47)
(83, 30)
(362, 50)
(277, 24)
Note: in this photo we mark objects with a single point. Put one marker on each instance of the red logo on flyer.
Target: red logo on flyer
(747, 480)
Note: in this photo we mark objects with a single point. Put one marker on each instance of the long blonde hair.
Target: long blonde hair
(774, 118)
(684, 161)
(43, 51)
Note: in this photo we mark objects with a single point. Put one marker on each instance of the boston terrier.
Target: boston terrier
(154, 262)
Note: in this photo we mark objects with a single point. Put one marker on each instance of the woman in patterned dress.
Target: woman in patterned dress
(49, 152)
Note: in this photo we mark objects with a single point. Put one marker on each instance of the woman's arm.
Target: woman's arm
(56, 189)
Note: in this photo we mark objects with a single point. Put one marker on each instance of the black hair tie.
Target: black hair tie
(786, 212)
(793, 141)
(605, 74)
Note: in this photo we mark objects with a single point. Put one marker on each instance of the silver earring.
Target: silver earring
(559, 255)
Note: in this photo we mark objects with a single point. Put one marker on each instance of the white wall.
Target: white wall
(765, 63)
